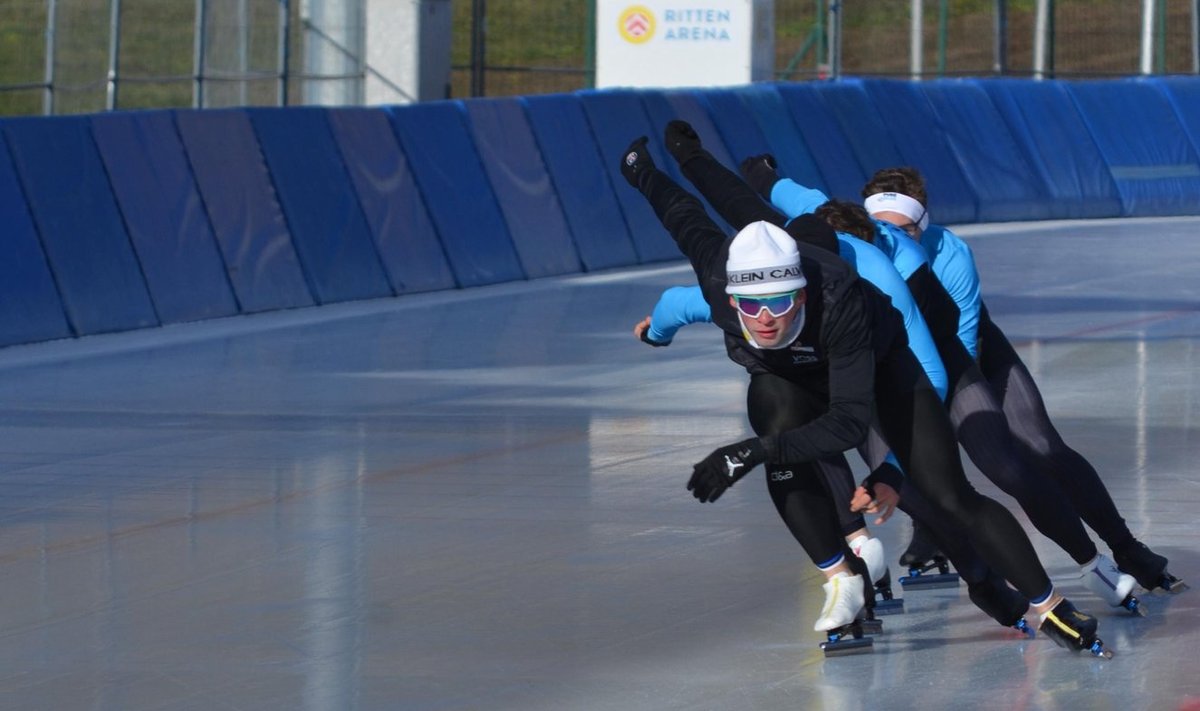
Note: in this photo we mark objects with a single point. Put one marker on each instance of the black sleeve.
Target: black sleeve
(682, 214)
(733, 199)
(936, 305)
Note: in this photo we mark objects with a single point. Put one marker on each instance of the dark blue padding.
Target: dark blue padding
(1183, 93)
(456, 189)
(99, 278)
(392, 205)
(30, 309)
(785, 138)
(164, 215)
(523, 187)
(863, 125)
(1147, 150)
(1043, 119)
(746, 136)
(617, 117)
(582, 180)
(921, 139)
(242, 207)
(327, 226)
(1007, 186)
(826, 140)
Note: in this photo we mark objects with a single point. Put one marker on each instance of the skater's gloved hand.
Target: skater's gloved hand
(878, 498)
(683, 143)
(719, 470)
(636, 161)
(761, 173)
(642, 332)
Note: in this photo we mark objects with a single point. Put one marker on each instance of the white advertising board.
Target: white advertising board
(696, 43)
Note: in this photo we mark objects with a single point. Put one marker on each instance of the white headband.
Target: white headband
(899, 203)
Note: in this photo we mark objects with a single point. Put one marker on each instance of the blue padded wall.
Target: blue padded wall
(581, 179)
(167, 224)
(1148, 152)
(98, 276)
(523, 187)
(787, 143)
(1057, 144)
(617, 117)
(456, 189)
(920, 138)
(863, 125)
(989, 156)
(242, 207)
(327, 226)
(30, 309)
(823, 134)
(404, 235)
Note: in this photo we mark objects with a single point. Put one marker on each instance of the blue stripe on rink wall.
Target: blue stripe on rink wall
(167, 224)
(324, 219)
(393, 206)
(99, 278)
(582, 180)
(523, 188)
(30, 309)
(245, 214)
(460, 199)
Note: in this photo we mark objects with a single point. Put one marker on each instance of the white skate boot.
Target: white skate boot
(1102, 577)
(871, 551)
(843, 601)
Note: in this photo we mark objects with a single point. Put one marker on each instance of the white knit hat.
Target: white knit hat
(763, 259)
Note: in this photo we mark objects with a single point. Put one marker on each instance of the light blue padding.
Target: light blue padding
(581, 178)
(748, 127)
(98, 275)
(30, 309)
(825, 138)
(457, 192)
(167, 224)
(327, 225)
(245, 215)
(522, 186)
(617, 118)
(989, 156)
(1057, 144)
(921, 140)
(393, 207)
(1147, 150)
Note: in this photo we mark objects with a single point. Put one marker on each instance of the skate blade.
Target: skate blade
(930, 582)
(1134, 606)
(871, 626)
(1174, 586)
(1100, 651)
(889, 607)
(844, 647)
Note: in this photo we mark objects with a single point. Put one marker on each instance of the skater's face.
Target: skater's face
(768, 317)
(904, 222)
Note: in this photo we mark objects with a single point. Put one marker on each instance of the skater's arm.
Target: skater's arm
(677, 307)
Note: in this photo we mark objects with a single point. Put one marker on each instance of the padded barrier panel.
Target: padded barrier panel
(745, 136)
(30, 309)
(785, 138)
(1148, 152)
(617, 117)
(862, 125)
(920, 139)
(167, 225)
(582, 180)
(1183, 93)
(825, 138)
(522, 186)
(246, 219)
(98, 276)
(994, 164)
(393, 207)
(327, 226)
(1043, 119)
(460, 200)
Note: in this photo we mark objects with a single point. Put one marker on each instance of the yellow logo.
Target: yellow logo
(636, 24)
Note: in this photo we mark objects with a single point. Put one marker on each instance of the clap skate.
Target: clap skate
(1001, 603)
(870, 551)
(922, 556)
(1073, 630)
(841, 619)
(1147, 567)
(1111, 585)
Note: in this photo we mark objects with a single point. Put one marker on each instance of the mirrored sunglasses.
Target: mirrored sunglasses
(775, 304)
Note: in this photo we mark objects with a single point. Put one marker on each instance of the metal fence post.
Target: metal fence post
(51, 30)
(916, 50)
(114, 53)
(284, 29)
(478, 46)
(198, 57)
(835, 39)
(1000, 62)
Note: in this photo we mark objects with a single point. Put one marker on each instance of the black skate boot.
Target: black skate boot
(1149, 568)
(870, 623)
(922, 556)
(1073, 630)
(1001, 603)
(887, 603)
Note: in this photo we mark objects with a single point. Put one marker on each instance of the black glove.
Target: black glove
(761, 173)
(682, 141)
(719, 470)
(636, 161)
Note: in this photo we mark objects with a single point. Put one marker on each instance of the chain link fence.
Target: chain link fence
(77, 56)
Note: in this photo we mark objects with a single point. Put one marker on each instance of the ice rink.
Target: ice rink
(475, 500)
